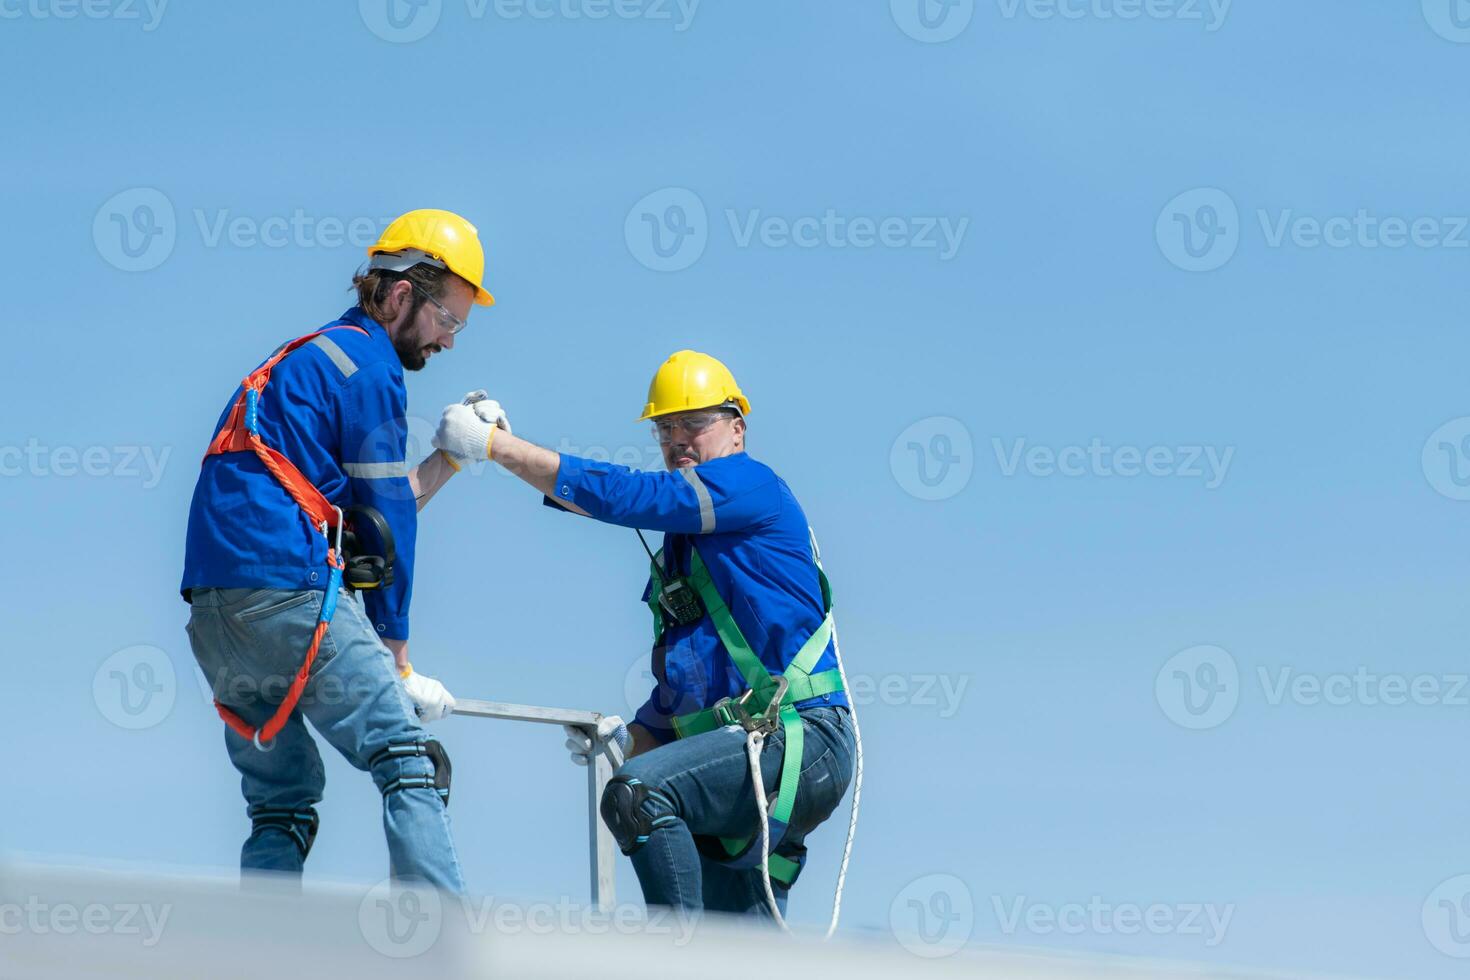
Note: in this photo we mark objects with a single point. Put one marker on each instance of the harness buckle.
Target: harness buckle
(736, 711)
(723, 714)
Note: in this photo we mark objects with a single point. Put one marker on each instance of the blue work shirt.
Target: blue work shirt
(754, 539)
(338, 412)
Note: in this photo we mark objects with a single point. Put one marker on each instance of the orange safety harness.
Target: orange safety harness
(241, 434)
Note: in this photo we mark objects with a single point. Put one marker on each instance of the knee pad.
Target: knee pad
(300, 825)
(625, 814)
(438, 778)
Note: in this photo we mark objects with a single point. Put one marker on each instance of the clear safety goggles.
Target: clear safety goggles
(407, 259)
(693, 423)
(447, 320)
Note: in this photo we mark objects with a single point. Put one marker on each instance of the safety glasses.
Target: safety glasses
(447, 320)
(694, 423)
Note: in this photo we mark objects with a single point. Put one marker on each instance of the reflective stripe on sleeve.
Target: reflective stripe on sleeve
(706, 505)
(376, 471)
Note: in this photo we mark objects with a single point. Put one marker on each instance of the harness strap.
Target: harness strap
(801, 685)
(790, 765)
(741, 852)
(757, 678)
(273, 725)
(241, 433)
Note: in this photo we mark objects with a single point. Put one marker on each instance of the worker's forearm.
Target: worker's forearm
(526, 460)
(643, 740)
(427, 477)
(531, 463)
(399, 649)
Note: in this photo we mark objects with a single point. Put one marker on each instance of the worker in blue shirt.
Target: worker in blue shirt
(745, 657)
(288, 624)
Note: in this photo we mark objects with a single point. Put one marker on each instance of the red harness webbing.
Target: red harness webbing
(239, 434)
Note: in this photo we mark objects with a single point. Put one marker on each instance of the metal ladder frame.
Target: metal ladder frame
(602, 850)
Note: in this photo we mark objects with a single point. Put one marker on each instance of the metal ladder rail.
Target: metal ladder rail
(601, 848)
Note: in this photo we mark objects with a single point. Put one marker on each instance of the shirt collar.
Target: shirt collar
(357, 316)
(377, 333)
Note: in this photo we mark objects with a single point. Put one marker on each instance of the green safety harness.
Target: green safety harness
(768, 701)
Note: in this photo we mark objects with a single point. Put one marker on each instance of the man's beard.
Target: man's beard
(410, 347)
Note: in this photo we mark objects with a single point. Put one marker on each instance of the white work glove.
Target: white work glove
(487, 408)
(463, 435)
(431, 699)
(610, 728)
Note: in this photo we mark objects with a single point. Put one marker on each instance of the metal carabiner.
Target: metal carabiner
(767, 721)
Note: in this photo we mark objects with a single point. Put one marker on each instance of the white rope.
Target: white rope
(857, 792)
(753, 743)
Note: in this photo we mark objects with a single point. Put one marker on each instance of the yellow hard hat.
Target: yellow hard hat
(438, 238)
(690, 380)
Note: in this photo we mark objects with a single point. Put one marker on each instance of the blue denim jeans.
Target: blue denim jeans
(704, 783)
(250, 643)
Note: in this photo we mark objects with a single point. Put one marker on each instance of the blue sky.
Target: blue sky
(1114, 351)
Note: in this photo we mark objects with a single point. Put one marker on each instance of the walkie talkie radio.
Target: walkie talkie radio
(675, 595)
